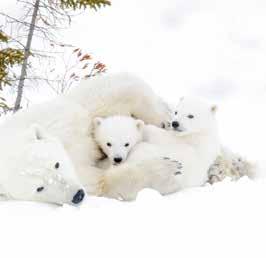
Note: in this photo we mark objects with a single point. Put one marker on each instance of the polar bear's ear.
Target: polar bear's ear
(37, 133)
(97, 121)
(214, 109)
(139, 124)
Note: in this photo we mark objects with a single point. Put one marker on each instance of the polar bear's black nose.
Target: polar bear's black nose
(78, 197)
(175, 124)
(118, 159)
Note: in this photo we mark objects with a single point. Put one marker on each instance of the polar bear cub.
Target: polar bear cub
(227, 163)
(193, 145)
(35, 167)
(117, 135)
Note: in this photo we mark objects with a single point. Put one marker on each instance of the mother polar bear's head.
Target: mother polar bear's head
(35, 167)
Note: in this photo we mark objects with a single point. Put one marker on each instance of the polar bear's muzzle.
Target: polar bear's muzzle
(78, 197)
(118, 160)
(176, 126)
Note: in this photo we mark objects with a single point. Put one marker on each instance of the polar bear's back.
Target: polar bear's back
(59, 117)
(119, 94)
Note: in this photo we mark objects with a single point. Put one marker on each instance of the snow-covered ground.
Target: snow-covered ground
(225, 220)
(212, 48)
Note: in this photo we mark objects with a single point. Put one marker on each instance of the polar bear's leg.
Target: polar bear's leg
(145, 103)
(83, 153)
(120, 94)
(151, 109)
(125, 181)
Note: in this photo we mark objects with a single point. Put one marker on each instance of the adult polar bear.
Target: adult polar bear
(69, 117)
(34, 166)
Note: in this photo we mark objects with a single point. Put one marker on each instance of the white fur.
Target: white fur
(28, 161)
(117, 135)
(232, 165)
(69, 117)
(192, 149)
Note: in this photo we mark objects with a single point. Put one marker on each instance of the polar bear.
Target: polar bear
(117, 135)
(192, 147)
(69, 117)
(227, 163)
(35, 167)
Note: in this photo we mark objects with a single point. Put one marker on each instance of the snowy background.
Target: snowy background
(211, 48)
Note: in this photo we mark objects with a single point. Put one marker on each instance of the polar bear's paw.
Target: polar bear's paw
(174, 165)
(125, 181)
(118, 186)
(166, 173)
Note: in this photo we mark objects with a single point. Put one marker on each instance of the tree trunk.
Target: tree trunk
(23, 72)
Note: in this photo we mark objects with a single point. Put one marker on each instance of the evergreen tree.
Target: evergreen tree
(9, 57)
(42, 19)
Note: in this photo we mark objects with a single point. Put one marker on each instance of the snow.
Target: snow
(215, 49)
(225, 220)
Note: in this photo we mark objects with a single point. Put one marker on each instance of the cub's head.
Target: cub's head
(39, 169)
(117, 135)
(192, 115)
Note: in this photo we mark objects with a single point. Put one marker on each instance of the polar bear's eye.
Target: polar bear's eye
(190, 116)
(57, 165)
(175, 112)
(108, 144)
(39, 189)
(127, 144)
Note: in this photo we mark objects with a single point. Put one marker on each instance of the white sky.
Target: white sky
(211, 48)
